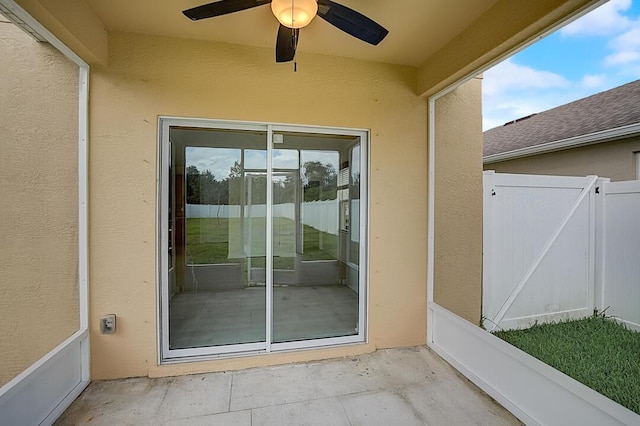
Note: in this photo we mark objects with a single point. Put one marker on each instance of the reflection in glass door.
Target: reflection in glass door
(219, 192)
(261, 246)
(315, 285)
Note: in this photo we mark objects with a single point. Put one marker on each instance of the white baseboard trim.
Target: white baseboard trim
(41, 393)
(534, 392)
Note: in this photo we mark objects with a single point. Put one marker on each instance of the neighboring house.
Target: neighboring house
(597, 135)
(155, 91)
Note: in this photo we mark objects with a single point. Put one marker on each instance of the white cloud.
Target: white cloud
(508, 75)
(324, 157)
(255, 159)
(217, 160)
(630, 39)
(593, 81)
(626, 47)
(499, 111)
(285, 158)
(512, 91)
(622, 58)
(607, 19)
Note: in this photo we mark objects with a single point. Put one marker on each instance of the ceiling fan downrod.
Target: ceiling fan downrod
(294, 45)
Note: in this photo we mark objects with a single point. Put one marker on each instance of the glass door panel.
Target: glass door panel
(260, 246)
(218, 229)
(314, 295)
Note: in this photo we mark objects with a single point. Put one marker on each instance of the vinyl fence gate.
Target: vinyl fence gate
(558, 247)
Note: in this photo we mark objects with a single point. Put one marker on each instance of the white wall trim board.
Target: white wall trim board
(43, 391)
(534, 392)
(574, 142)
(431, 204)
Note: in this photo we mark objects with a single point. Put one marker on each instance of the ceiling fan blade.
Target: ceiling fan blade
(286, 43)
(351, 22)
(221, 7)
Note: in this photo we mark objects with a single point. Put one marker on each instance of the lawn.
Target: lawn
(208, 242)
(595, 351)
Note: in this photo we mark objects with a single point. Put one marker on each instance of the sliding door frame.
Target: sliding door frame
(165, 353)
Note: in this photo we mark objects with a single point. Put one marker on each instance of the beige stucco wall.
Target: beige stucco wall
(39, 184)
(148, 76)
(151, 76)
(458, 201)
(615, 160)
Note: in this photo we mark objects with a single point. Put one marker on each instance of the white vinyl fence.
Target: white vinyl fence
(559, 247)
(213, 210)
(619, 292)
(322, 215)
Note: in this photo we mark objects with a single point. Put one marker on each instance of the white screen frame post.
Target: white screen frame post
(25, 388)
(507, 374)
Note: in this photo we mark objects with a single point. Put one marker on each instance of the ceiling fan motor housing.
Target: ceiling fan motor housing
(296, 13)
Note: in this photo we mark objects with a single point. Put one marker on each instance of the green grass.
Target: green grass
(595, 351)
(208, 241)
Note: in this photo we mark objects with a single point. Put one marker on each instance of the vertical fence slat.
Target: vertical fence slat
(487, 240)
(600, 237)
(621, 252)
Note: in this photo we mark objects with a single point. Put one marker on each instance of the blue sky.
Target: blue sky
(597, 52)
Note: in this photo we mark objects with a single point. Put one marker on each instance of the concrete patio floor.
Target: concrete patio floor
(410, 386)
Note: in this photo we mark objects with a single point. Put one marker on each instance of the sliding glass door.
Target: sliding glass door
(312, 295)
(260, 249)
(217, 226)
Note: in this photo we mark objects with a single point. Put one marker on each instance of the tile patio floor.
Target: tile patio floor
(410, 386)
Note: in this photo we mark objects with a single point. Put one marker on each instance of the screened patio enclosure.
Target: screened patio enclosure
(263, 233)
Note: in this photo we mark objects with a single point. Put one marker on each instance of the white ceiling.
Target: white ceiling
(417, 28)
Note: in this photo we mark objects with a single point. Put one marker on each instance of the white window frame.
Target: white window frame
(167, 355)
(637, 155)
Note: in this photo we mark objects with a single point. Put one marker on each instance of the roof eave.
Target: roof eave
(573, 142)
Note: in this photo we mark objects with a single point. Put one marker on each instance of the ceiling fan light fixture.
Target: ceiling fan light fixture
(296, 13)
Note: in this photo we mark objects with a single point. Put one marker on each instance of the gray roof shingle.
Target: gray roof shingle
(614, 108)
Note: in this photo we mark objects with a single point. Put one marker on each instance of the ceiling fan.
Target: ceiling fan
(295, 14)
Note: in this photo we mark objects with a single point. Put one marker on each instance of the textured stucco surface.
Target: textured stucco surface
(39, 183)
(458, 201)
(615, 160)
(150, 76)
